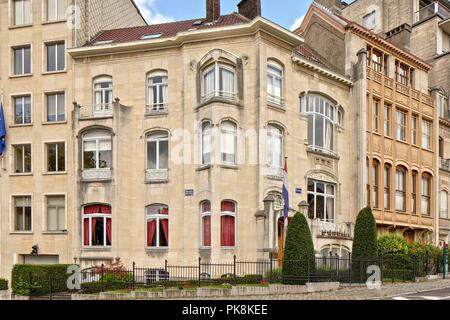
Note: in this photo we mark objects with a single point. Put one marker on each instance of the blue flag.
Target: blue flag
(2, 131)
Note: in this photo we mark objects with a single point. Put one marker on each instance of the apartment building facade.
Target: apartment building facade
(36, 79)
(398, 122)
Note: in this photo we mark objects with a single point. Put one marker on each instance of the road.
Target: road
(437, 294)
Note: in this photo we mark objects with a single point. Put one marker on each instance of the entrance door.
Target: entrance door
(280, 240)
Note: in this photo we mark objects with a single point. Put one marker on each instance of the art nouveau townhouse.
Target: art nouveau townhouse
(397, 120)
(422, 28)
(36, 81)
(181, 131)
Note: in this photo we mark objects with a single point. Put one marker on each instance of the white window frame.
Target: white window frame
(56, 4)
(230, 214)
(101, 107)
(272, 77)
(400, 189)
(325, 196)
(22, 97)
(22, 50)
(157, 137)
(13, 153)
(46, 197)
(401, 120)
(205, 214)
(57, 106)
(55, 45)
(160, 105)
(426, 197)
(372, 23)
(157, 218)
(207, 129)
(14, 218)
(274, 132)
(426, 136)
(96, 215)
(216, 92)
(223, 134)
(97, 136)
(46, 145)
(13, 13)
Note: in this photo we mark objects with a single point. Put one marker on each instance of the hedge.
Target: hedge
(28, 279)
(3, 284)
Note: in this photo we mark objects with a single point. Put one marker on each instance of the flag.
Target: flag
(2, 131)
(285, 192)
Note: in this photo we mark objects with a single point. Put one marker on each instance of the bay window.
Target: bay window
(205, 217)
(321, 200)
(275, 82)
(97, 226)
(219, 80)
(97, 152)
(228, 142)
(228, 224)
(400, 189)
(157, 90)
(157, 217)
(206, 142)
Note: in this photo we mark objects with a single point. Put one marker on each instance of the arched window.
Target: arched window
(228, 224)
(400, 189)
(206, 142)
(387, 186)
(228, 139)
(219, 80)
(157, 217)
(97, 230)
(97, 152)
(375, 182)
(321, 200)
(205, 217)
(158, 151)
(443, 205)
(426, 194)
(274, 82)
(323, 116)
(103, 95)
(414, 185)
(274, 148)
(157, 90)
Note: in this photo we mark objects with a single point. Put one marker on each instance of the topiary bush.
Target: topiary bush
(392, 244)
(299, 258)
(3, 284)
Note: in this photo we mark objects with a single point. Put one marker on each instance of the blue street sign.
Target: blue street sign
(298, 190)
(189, 192)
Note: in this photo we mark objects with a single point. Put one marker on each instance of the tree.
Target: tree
(298, 257)
(365, 246)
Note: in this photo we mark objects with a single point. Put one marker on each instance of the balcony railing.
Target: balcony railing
(274, 172)
(96, 111)
(430, 10)
(445, 164)
(232, 96)
(331, 229)
(156, 175)
(322, 150)
(96, 174)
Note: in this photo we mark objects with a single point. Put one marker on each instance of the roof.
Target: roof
(170, 29)
(309, 54)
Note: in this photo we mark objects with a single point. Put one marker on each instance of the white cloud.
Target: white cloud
(150, 13)
(297, 23)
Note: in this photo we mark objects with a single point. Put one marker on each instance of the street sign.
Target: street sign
(298, 190)
(188, 192)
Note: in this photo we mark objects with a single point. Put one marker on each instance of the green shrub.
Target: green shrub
(299, 258)
(392, 244)
(3, 284)
(274, 276)
(250, 279)
(30, 279)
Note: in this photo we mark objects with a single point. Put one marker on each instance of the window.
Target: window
(426, 134)
(21, 12)
(103, 95)
(205, 216)
(322, 121)
(228, 142)
(402, 74)
(56, 157)
(56, 107)
(22, 213)
(157, 217)
(228, 224)
(218, 80)
(97, 150)
(375, 179)
(97, 228)
(56, 56)
(56, 213)
(377, 61)
(22, 60)
(426, 192)
(158, 151)
(22, 110)
(400, 189)
(22, 158)
(369, 20)
(415, 121)
(275, 83)
(401, 125)
(321, 200)
(157, 89)
(387, 187)
(443, 204)
(414, 192)
(56, 10)
(387, 120)
(375, 115)
(206, 143)
(274, 147)
(442, 108)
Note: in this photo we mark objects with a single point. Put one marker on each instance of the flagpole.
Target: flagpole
(286, 218)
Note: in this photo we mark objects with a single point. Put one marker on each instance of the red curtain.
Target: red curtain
(227, 206)
(227, 231)
(86, 232)
(206, 206)
(165, 210)
(108, 231)
(165, 225)
(97, 209)
(151, 230)
(207, 231)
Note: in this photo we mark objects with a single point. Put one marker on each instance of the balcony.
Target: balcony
(156, 175)
(444, 164)
(322, 151)
(433, 9)
(274, 172)
(328, 229)
(96, 111)
(103, 174)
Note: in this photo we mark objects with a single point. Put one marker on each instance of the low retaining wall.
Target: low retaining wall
(5, 295)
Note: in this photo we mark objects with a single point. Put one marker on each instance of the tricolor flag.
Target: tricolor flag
(285, 192)
(2, 131)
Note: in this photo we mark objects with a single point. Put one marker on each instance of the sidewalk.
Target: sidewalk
(355, 292)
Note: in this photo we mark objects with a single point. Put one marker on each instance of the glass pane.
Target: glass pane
(51, 107)
(320, 188)
(27, 158)
(18, 159)
(60, 56)
(27, 11)
(89, 159)
(27, 60)
(330, 209)
(51, 10)
(311, 206)
(105, 159)
(163, 154)
(18, 65)
(61, 9)
(18, 12)
(19, 112)
(19, 225)
(61, 157)
(51, 57)
(61, 110)
(151, 155)
(51, 157)
(311, 129)
(320, 207)
(226, 81)
(27, 109)
(97, 231)
(318, 131)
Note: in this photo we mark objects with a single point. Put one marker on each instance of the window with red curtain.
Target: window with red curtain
(206, 223)
(227, 224)
(157, 225)
(97, 225)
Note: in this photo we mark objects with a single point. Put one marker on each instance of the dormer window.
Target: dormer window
(219, 80)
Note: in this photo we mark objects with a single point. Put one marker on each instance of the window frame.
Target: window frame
(271, 79)
(57, 95)
(22, 49)
(365, 20)
(401, 127)
(223, 134)
(225, 213)
(56, 18)
(216, 66)
(387, 186)
(400, 188)
(207, 126)
(46, 207)
(325, 196)
(102, 107)
(158, 218)
(14, 159)
(205, 214)
(159, 138)
(427, 179)
(96, 137)
(103, 216)
(428, 136)
(14, 104)
(387, 120)
(414, 186)
(57, 45)
(13, 21)
(274, 132)
(14, 228)
(375, 183)
(443, 212)
(159, 106)
(57, 153)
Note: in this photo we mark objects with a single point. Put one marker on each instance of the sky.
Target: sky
(287, 13)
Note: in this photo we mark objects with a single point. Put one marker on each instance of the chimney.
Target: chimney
(250, 8)
(212, 10)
